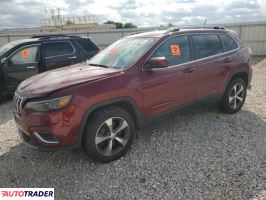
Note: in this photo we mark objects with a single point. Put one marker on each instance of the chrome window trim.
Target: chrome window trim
(192, 61)
(73, 53)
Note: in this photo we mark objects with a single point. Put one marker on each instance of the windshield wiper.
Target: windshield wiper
(98, 65)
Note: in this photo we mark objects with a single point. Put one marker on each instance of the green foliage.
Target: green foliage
(69, 22)
(120, 25)
(129, 25)
(170, 24)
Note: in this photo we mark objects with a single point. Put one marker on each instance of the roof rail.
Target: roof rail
(53, 36)
(175, 29)
(134, 33)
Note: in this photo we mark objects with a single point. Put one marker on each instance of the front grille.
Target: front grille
(17, 102)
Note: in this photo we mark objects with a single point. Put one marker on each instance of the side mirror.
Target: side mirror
(157, 63)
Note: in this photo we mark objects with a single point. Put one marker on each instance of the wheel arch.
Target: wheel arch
(126, 103)
(237, 74)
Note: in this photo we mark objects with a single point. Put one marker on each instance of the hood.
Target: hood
(44, 83)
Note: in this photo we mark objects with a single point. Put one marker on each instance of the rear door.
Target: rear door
(21, 64)
(210, 64)
(167, 88)
(58, 54)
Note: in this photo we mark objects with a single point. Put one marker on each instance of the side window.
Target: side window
(206, 45)
(175, 50)
(57, 49)
(87, 45)
(25, 55)
(228, 43)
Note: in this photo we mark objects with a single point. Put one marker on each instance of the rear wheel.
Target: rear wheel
(109, 134)
(234, 96)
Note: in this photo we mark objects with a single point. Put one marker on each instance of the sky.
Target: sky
(143, 13)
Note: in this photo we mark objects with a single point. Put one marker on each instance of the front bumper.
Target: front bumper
(50, 130)
(33, 145)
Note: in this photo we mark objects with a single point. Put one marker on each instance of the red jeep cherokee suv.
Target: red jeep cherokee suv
(100, 105)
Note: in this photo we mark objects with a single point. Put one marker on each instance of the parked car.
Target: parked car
(135, 80)
(22, 59)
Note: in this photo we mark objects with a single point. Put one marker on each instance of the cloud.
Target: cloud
(28, 13)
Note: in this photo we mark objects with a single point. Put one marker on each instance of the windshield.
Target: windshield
(5, 48)
(122, 53)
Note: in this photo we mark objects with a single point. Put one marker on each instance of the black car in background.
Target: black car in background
(22, 59)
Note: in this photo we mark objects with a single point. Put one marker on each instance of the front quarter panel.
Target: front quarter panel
(121, 85)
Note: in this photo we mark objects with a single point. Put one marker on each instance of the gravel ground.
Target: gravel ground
(198, 154)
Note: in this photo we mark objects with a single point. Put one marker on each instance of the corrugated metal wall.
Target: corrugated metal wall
(253, 34)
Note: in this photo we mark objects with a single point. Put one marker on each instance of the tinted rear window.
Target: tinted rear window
(228, 43)
(57, 49)
(206, 45)
(87, 44)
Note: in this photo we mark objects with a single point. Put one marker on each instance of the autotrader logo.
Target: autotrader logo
(27, 193)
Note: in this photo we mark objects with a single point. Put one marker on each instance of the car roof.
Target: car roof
(41, 38)
(22, 41)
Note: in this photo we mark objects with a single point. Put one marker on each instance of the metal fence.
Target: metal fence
(253, 34)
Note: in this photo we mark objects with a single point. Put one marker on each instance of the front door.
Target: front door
(20, 65)
(166, 88)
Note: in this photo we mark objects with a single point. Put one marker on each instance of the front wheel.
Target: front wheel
(234, 96)
(109, 134)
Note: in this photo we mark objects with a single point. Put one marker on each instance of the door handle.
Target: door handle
(73, 57)
(227, 60)
(189, 70)
(31, 67)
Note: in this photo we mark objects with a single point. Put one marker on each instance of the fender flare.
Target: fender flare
(232, 75)
(138, 117)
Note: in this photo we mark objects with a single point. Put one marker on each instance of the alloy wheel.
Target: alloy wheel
(236, 96)
(112, 136)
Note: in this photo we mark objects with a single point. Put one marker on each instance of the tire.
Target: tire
(109, 134)
(233, 101)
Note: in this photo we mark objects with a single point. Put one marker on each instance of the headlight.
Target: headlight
(49, 105)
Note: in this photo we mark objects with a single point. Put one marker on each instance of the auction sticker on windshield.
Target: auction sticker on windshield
(27, 193)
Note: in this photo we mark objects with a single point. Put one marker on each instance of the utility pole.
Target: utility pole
(55, 15)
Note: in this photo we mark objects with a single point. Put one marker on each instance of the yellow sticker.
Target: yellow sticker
(175, 50)
(25, 53)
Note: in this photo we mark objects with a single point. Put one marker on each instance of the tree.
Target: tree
(129, 25)
(69, 22)
(117, 24)
(120, 25)
(170, 24)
